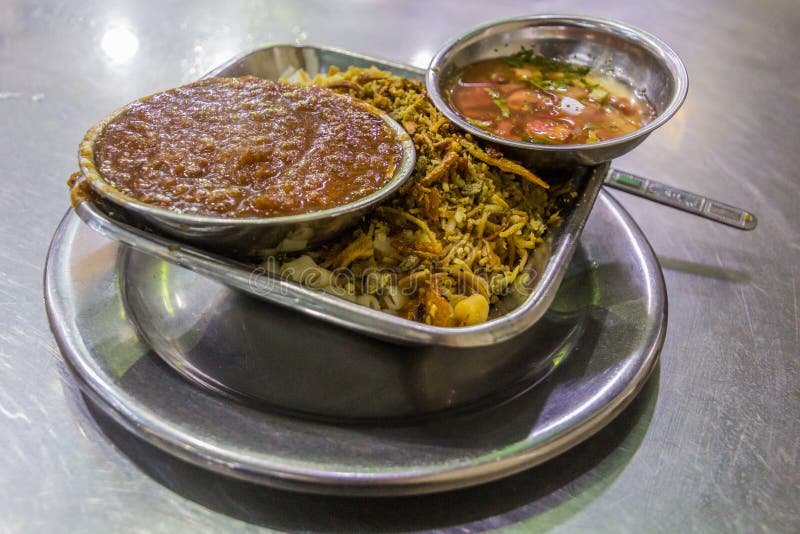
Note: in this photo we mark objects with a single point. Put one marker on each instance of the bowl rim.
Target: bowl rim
(91, 174)
(620, 29)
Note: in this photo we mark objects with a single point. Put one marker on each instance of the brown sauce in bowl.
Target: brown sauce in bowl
(247, 147)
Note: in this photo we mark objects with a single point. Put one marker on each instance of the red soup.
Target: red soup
(530, 98)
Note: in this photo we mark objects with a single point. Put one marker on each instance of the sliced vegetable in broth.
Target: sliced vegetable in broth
(526, 97)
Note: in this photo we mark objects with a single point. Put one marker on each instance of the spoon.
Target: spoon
(683, 200)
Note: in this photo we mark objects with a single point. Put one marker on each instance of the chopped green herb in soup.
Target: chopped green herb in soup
(530, 98)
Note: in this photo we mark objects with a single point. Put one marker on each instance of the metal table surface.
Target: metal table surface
(712, 442)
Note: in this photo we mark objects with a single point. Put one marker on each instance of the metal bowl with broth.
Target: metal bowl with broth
(598, 48)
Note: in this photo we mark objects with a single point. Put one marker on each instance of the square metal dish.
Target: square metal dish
(516, 312)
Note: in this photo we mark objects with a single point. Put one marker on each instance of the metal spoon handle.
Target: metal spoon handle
(680, 199)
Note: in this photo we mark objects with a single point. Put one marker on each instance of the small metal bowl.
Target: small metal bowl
(639, 60)
(243, 237)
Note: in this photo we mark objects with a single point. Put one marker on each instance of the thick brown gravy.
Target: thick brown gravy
(247, 147)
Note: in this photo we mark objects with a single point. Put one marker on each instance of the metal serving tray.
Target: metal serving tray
(516, 312)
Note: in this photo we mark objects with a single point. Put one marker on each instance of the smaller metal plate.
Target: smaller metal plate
(624, 313)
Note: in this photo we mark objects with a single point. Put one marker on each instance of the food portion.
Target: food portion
(526, 97)
(457, 235)
(247, 147)
(443, 250)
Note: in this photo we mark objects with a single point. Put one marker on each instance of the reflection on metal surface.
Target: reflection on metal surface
(119, 43)
(166, 294)
(421, 58)
(209, 52)
(300, 35)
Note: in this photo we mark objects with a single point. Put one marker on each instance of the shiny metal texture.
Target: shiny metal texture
(708, 445)
(634, 57)
(606, 327)
(241, 237)
(516, 312)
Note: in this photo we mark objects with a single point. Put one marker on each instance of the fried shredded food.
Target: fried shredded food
(454, 239)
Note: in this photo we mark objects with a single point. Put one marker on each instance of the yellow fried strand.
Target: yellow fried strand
(503, 164)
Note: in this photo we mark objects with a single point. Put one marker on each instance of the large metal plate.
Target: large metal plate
(607, 362)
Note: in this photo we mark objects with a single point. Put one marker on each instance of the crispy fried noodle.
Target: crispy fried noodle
(453, 240)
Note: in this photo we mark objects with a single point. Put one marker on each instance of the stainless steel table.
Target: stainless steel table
(712, 442)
